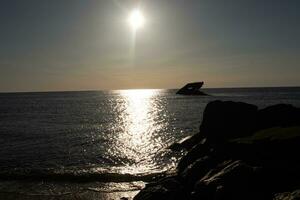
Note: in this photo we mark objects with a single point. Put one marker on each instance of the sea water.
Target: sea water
(103, 138)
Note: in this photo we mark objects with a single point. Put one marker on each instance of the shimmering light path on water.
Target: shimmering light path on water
(140, 126)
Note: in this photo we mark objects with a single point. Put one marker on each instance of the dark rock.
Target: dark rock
(278, 115)
(288, 196)
(187, 143)
(266, 145)
(165, 189)
(223, 120)
(231, 180)
(276, 150)
(177, 146)
(234, 157)
(197, 170)
(194, 154)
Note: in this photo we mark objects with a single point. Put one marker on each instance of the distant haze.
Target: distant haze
(88, 45)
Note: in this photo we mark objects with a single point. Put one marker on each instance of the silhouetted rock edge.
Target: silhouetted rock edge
(240, 152)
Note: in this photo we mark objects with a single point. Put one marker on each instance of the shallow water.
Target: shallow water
(40, 190)
(105, 136)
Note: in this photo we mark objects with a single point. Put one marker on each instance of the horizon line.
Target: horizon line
(106, 90)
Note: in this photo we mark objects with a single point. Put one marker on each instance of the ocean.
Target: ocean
(102, 144)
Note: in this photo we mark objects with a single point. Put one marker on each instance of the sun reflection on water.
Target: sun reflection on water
(138, 141)
(139, 119)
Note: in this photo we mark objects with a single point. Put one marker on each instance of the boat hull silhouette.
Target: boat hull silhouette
(192, 89)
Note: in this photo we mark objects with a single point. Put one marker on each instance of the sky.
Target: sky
(62, 45)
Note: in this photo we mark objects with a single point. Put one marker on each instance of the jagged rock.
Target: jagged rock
(197, 170)
(288, 196)
(195, 153)
(231, 180)
(221, 160)
(165, 189)
(223, 120)
(187, 143)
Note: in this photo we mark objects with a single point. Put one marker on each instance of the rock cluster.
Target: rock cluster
(241, 152)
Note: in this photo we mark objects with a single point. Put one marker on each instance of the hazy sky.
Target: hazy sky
(88, 44)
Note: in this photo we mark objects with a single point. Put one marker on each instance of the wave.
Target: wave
(78, 176)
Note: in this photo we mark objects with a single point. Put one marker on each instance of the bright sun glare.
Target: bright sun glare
(136, 19)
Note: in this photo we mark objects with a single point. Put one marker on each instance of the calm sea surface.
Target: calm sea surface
(106, 134)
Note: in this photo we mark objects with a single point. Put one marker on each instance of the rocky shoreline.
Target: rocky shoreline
(240, 152)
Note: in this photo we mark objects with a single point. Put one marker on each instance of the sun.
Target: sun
(136, 19)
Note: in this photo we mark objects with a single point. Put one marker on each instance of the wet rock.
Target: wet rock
(288, 196)
(165, 189)
(231, 180)
(197, 170)
(197, 152)
(223, 120)
(187, 143)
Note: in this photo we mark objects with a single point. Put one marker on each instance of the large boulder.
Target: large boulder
(277, 143)
(282, 115)
(223, 120)
(276, 150)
